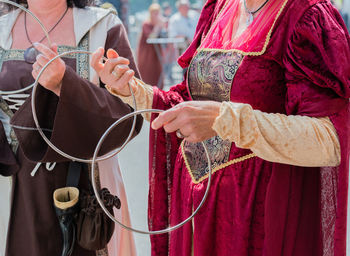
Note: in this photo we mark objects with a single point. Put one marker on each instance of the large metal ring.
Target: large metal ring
(49, 143)
(45, 32)
(155, 232)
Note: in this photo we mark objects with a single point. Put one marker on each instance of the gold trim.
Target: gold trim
(221, 166)
(267, 40)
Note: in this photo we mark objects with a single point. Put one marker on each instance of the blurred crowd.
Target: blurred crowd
(156, 60)
(345, 11)
(175, 30)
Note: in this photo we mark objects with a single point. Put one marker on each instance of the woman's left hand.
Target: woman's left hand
(192, 119)
(52, 77)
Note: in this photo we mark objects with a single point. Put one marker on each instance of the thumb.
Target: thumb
(112, 54)
(95, 59)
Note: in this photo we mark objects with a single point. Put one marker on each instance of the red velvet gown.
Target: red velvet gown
(256, 207)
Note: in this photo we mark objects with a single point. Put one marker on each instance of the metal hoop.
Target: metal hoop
(48, 142)
(45, 32)
(93, 181)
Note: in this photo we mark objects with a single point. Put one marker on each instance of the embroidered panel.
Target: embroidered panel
(103, 252)
(197, 161)
(211, 73)
(210, 78)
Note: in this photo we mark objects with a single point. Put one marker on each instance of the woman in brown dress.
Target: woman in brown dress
(29, 179)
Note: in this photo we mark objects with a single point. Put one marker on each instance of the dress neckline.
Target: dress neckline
(257, 41)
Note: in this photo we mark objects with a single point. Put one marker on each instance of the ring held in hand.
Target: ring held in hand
(94, 186)
(49, 143)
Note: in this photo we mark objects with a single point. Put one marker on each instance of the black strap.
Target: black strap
(73, 175)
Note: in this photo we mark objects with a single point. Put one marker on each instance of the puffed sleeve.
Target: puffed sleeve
(317, 64)
(317, 73)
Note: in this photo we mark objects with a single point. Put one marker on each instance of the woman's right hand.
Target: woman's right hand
(115, 72)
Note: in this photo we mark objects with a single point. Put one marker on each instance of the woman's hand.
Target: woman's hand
(192, 119)
(52, 77)
(115, 72)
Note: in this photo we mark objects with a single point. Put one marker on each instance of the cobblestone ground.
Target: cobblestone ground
(134, 165)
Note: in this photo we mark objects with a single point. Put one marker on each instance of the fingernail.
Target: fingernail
(35, 44)
(154, 126)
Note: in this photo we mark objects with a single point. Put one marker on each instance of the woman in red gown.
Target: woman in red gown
(267, 90)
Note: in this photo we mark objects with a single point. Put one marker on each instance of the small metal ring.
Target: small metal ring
(94, 186)
(179, 134)
(45, 32)
(49, 143)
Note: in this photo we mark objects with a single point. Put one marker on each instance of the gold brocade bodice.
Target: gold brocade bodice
(210, 77)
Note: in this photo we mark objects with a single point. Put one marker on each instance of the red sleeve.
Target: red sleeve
(317, 63)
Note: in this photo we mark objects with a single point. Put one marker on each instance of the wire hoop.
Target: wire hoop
(49, 143)
(46, 35)
(93, 181)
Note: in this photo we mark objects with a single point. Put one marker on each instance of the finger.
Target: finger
(42, 60)
(192, 138)
(119, 70)
(174, 125)
(50, 54)
(36, 67)
(124, 79)
(164, 118)
(112, 54)
(95, 59)
(112, 63)
(35, 70)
